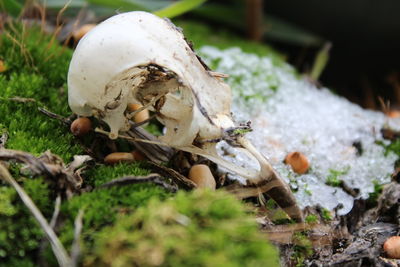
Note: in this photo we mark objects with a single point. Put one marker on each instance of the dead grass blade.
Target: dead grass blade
(56, 212)
(174, 175)
(76, 248)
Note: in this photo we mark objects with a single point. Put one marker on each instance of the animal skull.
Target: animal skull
(137, 57)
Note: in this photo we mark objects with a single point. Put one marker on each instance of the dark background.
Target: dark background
(365, 43)
(364, 60)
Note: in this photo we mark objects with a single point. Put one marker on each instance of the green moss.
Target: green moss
(153, 129)
(101, 174)
(394, 147)
(302, 249)
(333, 177)
(201, 228)
(102, 207)
(20, 234)
(36, 72)
(312, 218)
(326, 214)
(7, 194)
(373, 197)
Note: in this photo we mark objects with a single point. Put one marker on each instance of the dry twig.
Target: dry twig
(48, 164)
(22, 99)
(174, 175)
(53, 221)
(52, 115)
(127, 180)
(76, 248)
(56, 212)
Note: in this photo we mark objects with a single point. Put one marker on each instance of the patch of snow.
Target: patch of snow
(290, 114)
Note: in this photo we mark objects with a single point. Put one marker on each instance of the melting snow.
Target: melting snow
(290, 114)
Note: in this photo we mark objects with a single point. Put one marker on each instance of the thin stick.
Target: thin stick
(254, 18)
(385, 106)
(154, 100)
(53, 221)
(76, 248)
(55, 116)
(128, 180)
(22, 99)
(56, 212)
(134, 124)
(3, 140)
(98, 130)
(58, 249)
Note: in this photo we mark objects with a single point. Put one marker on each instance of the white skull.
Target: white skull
(110, 67)
(137, 57)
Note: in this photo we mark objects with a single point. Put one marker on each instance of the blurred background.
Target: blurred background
(350, 47)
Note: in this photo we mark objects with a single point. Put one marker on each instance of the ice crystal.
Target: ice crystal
(290, 114)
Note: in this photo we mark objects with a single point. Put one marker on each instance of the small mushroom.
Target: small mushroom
(137, 155)
(201, 175)
(298, 162)
(81, 126)
(141, 116)
(82, 31)
(393, 113)
(392, 247)
(118, 157)
(3, 67)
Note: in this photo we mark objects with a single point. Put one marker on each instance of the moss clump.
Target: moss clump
(394, 147)
(302, 249)
(35, 77)
(20, 235)
(333, 177)
(37, 69)
(312, 218)
(103, 206)
(326, 215)
(101, 174)
(373, 196)
(202, 228)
